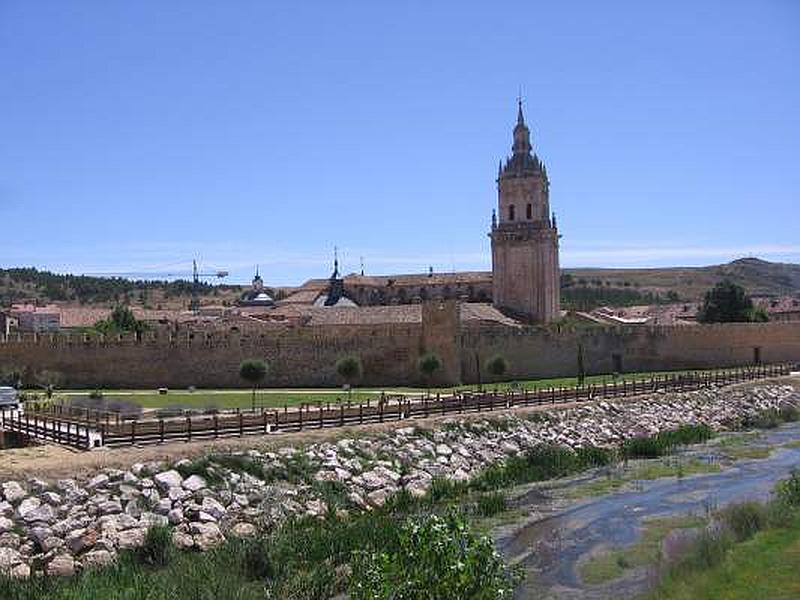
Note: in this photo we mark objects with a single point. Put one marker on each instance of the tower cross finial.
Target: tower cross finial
(520, 118)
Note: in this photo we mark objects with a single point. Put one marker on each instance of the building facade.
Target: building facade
(525, 269)
(36, 319)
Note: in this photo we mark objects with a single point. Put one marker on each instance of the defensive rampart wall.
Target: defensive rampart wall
(535, 352)
(305, 356)
(302, 356)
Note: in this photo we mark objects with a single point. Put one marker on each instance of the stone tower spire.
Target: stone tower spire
(525, 270)
(522, 135)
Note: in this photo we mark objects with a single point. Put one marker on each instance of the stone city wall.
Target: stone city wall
(305, 356)
(537, 352)
(296, 356)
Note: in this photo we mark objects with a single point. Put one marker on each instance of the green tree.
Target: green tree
(727, 302)
(428, 364)
(120, 320)
(49, 381)
(12, 375)
(497, 366)
(436, 557)
(253, 371)
(350, 370)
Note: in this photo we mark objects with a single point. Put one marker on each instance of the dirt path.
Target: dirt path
(51, 461)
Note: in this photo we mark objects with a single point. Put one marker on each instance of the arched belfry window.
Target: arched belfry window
(511, 212)
(529, 212)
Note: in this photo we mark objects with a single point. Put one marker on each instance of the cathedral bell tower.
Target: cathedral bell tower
(525, 271)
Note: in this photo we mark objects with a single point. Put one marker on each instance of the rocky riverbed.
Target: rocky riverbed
(59, 527)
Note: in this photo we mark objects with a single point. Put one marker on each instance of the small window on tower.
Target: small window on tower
(529, 212)
(511, 212)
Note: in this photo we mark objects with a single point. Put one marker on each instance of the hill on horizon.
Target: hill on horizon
(759, 277)
(605, 286)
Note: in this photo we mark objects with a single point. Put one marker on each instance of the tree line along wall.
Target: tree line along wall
(306, 356)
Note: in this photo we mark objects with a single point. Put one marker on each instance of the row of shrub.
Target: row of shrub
(665, 442)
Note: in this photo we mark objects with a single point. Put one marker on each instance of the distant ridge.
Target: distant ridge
(758, 277)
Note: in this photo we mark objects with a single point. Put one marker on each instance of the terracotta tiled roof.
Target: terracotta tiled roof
(367, 315)
(472, 311)
(301, 297)
(407, 279)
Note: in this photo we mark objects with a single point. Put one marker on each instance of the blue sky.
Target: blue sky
(137, 135)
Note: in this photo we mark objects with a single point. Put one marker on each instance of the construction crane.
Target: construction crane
(194, 305)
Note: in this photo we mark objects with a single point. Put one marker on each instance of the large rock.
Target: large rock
(130, 538)
(81, 540)
(244, 530)
(41, 514)
(9, 558)
(194, 483)
(62, 565)
(168, 479)
(28, 505)
(97, 559)
(213, 508)
(206, 535)
(182, 539)
(98, 481)
(175, 516)
(13, 492)
(6, 525)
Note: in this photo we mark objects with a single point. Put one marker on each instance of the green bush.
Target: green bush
(157, 550)
(437, 558)
(744, 519)
(489, 505)
(538, 464)
(255, 560)
(665, 442)
(788, 490)
(789, 413)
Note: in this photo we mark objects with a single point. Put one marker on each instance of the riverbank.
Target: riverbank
(68, 526)
(604, 534)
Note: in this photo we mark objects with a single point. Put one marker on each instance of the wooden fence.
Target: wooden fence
(57, 423)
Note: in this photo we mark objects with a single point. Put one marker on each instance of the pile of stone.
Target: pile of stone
(60, 527)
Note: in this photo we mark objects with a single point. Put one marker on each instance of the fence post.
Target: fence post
(360, 413)
(241, 424)
(341, 415)
(300, 421)
(320, 415)
(188, 429)
(133, 432)
(161, 429)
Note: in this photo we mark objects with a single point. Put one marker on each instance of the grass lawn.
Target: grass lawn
(277, 397)
(765, 567)
(671, 466)
(228, 398)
